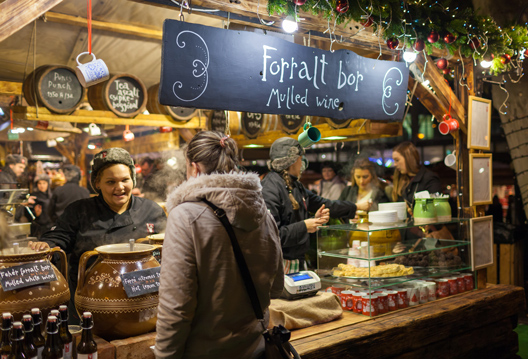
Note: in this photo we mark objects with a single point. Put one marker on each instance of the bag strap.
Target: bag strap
(239, 256)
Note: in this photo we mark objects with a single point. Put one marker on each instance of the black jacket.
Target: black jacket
(7, 176)
(63, 196)
(350, 193)
(425, 180)
(295, 239)
(89, 223)
(42, 223)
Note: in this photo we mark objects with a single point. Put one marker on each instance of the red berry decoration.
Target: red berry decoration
(449, 38)
(368, 22)
(474, 43)
(392, 43)
(505, 59)
(442, 64)
(446, 71)
(433, 37)
(419, 45)
(299, 2)
(342, 6)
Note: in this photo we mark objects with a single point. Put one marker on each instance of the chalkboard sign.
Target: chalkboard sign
(125, 94)
(291, 123)
(60, 90)
(26, 275)
(141, 281)
(223, 69)
(217, 121)
(251, 124)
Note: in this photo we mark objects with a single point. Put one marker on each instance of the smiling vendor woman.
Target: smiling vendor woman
(114, 216)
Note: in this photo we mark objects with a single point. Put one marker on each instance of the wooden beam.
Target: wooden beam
(187, 134)
(151, 143)
(155, 34)
(10, 88)
(105, 118)
(15, 14)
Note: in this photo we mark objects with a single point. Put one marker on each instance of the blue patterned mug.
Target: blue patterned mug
(92, 72)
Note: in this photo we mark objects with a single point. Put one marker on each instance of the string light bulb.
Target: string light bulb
(289, 24)
(409, 55)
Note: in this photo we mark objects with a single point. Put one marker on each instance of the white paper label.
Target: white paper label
(67, 353)
(39, 352)
(87, 356)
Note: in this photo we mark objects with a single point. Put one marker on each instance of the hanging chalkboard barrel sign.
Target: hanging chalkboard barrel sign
(217, 121)
(291, 123)
(336, 123)
(252, 124)
(124, 94)
(177, 113)
(55, 87)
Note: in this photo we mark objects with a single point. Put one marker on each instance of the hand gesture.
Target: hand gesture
(323, 213)
(38, 246)
(313, 223)
(364, 206)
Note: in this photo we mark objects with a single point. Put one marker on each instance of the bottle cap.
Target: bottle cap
(18, 331)
(27, 320)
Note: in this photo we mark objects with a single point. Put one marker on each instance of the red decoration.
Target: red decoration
(342, 6)
(392, 43)
(442, 64)
(474, 43)
(299, 2)
(449, 38)
(419, 45)
(446, 71)
(526, 53)
(165, 129)
(368, 22)
(505, 59)
(433, 37)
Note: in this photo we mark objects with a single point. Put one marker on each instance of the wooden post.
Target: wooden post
(74, 149)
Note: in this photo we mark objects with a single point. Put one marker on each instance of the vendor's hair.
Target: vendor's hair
(410, 155)
(364, 164)
(289, 184)
(206, 149)
(108, 165)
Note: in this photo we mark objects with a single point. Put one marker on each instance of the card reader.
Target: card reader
(300, 285)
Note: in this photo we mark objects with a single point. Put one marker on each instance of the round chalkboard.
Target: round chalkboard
(216, 121)
(252, 124)
(291, 123)
(336, 123)
(181, 113)
(177, 113)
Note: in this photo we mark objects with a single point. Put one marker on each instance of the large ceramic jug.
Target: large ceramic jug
(443, 209)
(45, 296)
(100, 291)
(424, 211)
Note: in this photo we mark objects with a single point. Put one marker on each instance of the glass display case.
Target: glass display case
(387, 267)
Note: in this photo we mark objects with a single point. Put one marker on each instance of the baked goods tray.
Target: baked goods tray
(398, 276)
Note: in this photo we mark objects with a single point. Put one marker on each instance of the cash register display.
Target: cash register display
(297, 277)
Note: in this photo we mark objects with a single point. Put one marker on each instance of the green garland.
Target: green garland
(415, 19)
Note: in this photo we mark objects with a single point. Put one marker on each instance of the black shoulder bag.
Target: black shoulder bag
(277, 338)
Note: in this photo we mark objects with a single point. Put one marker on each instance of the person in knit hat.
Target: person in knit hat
(68, 193)
(42, 193)
(113, 216)
(15, 166)
(291, 203)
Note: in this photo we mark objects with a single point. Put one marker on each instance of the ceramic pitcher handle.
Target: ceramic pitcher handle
(82, 267)
(64, 261)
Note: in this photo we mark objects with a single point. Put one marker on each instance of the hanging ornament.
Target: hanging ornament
(474, 43)
(526, 53)
(392, 43)
(419, 45)
(368, 22)
(433, 37)
(442, 64)
(299, 2)
(505, 59)
(446, 71)
(449, 38)
(342, 6)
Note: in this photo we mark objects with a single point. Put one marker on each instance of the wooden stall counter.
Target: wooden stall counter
(476, 324)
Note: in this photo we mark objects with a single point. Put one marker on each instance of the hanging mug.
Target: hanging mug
(92, 72)
(448, 125)
(450, 160)
(309, 136)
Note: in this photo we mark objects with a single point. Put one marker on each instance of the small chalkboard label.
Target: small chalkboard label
(27, 275)
(217, 121)
(291, 123)
(60, 89)
(252, 123)
(141, 281)
(125, 94)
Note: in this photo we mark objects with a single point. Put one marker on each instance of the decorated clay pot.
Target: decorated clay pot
(45, 296)
(100, 291)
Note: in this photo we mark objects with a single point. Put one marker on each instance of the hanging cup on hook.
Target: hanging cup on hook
(309, 136)
(92, 72)
(448, 125)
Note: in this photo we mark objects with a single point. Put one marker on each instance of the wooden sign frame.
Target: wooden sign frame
(481, 234)
(479, 123)
(480, 178)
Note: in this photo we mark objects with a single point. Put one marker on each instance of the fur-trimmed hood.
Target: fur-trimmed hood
(237, 193)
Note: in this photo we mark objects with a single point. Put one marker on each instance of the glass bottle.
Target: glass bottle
(29, 346)
(52, 348)
(17, 342)
(56, 313)
(38, 338)
(65, 334)
(5, 343)
(87, 348)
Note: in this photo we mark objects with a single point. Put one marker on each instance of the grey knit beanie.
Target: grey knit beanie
(14, 159)
(283, 153)
(114, 155)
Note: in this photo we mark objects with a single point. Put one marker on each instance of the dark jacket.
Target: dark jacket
(89, 223)
(7, 176)
(295, 239)
(42, 223)
(425, 180)
(63, 196)
(350, 193)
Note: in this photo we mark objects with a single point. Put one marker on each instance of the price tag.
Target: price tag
(26, 275)
(141, 281)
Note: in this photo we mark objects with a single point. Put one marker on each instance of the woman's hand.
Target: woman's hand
(38, 246)
(363, 206)
(313, 223)
(323, 213)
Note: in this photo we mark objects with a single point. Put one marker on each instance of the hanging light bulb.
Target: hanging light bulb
(485, 64)
(289, 24)
(409, 55)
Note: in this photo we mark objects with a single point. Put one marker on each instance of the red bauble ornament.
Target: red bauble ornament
(368, 22)
(299, 2)
(342, 6)
(526, 53)
(474, 43)
(419, 45)
(433, 37)
(442, 64)
(449, 38)
(505, 59)
(446, 71)
(392, 43)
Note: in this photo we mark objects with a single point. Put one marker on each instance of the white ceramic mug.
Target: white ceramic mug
(92, 72)
(450, 159)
